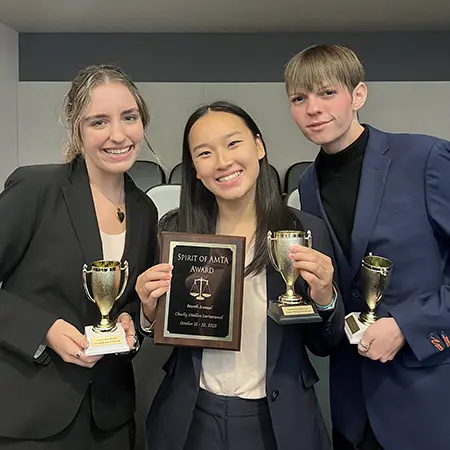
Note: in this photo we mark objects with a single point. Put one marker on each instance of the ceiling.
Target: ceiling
(196, 16)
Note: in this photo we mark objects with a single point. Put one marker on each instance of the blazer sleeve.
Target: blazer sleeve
(23, 325)
(322, 337)
(424, 316)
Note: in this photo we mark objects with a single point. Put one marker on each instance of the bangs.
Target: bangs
(322, 66)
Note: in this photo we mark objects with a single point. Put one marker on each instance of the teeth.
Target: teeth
(117, 151)
(229, 177)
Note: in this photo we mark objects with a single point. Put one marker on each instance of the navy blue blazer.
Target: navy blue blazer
(290, 379)
(402, 213)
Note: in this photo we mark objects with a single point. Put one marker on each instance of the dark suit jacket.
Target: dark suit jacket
(294, 409)
(402, 213)
(48, 230)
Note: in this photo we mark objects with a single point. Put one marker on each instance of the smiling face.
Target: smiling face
(226, 156)
(111, 128)
(327, 115)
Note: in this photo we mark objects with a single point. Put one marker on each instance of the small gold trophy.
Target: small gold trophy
(375, 276)
(105, 280)
(289, 307)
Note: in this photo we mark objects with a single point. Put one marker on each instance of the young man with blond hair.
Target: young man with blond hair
(388, 194)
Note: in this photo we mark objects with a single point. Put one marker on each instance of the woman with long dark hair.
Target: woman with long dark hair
(261, 397)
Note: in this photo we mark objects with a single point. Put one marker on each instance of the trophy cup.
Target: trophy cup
(105, 280)
(289, 307)
(375, 275)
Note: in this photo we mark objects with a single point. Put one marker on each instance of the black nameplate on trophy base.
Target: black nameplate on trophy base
(354, 328)
(287, 315)
(203, 307)
(352, 324)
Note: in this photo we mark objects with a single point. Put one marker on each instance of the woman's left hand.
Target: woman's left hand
(128, 326)
(317, 270)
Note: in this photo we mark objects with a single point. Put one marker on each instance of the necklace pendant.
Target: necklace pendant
(120, 215)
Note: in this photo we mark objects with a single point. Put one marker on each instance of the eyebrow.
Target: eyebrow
(105, 116)
(204, 144)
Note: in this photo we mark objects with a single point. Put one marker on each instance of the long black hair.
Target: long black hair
(198, 206)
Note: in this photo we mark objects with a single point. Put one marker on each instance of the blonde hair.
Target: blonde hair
(319, 65)
(79, 96)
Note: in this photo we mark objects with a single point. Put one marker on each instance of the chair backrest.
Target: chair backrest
(147, 174)
(175, 175)
(293, 200)
(293, 175)
(165, 197)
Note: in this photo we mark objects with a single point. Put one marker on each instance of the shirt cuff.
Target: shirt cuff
(146, 325)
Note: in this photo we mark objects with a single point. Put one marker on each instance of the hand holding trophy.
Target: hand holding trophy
(105, 281)
(375, 276)
(289, 307)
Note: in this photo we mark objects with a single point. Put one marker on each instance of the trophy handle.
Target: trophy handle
(308, 239)
(86, 289)
(124, 268)
(270, 251)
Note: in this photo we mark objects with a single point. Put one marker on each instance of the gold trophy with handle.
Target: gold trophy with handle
(107, 286)
(290, 307)
(375, 277)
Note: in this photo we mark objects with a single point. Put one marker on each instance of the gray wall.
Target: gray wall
(420, 107)
(9, 74)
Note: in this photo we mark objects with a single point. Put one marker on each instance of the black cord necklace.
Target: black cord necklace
(120, 215)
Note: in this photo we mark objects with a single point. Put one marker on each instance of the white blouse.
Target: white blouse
(242, 374)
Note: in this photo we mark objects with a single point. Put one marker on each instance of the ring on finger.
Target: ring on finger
(78, 355)
(364, 345)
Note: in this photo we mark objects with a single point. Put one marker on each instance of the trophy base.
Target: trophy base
(107, 342)
(354, 328)
(291, 314)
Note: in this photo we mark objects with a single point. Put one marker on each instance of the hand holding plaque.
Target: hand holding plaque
(375, 276)
(202, 306)
(105, 281)
(290, 307)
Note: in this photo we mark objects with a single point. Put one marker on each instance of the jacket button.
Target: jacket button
(275, 395)
(355, 293)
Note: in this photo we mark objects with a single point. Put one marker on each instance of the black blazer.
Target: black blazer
(290, 377)
(48, 230)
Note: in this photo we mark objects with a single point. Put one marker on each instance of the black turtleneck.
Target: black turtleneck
(339, 176)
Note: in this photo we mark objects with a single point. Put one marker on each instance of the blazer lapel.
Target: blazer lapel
(274, 287)
(80, 206)
(197, 354)
(135, 223)
(373, 176)
(135, 228)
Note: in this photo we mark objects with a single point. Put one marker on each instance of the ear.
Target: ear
(359, 96)
(260, 147)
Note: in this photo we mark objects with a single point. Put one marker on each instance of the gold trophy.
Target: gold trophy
(105, 280)
(290, 307)
(375, 276)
